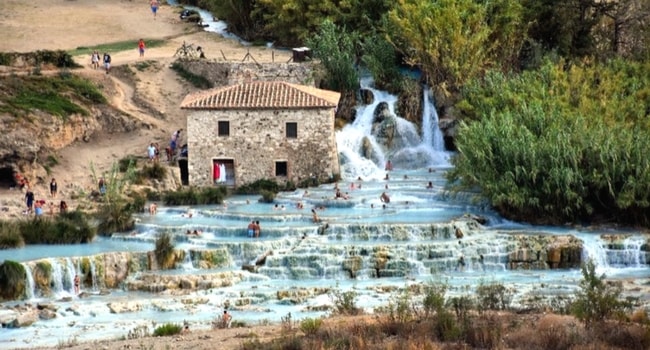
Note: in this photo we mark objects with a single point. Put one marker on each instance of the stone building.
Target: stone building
(261, 130)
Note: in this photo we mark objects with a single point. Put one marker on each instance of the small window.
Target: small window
(280, 168)
(223, 128)
(292, 130)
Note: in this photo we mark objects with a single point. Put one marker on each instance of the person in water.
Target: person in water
(77, 282)
(384, 198)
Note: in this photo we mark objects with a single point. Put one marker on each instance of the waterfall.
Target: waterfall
(378, 134)
(57, 276)
(627, 253)
(93, 274)
(70, 273)
(431, 133)
(187, 264)
(29, 286)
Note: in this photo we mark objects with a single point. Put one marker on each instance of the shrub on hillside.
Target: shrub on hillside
(66, 228)
(10, 236)
(154, 171)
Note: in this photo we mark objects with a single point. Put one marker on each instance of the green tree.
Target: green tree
(242, 16)
(116, 208)
(380, 58)
(335, 48)
(447, 39)
(565, 26)
(293, 21)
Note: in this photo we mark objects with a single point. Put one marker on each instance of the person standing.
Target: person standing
(53, 188)
(257, 229)
(77, 282)
(226, 319)
(29, 200)
(151, 152)
(141, 47)
(251, 229)
(102, 186)
(154, 7)
(107, 62)
(94, 59)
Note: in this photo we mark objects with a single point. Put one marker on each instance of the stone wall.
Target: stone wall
(258, 139)
(232, 73)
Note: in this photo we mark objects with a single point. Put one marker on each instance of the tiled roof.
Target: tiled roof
(262, 95)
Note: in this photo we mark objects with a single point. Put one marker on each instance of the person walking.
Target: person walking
(141, 47)
(154, 7)
(29, 200)
(53, 188)
(107, 62)
(94, 59)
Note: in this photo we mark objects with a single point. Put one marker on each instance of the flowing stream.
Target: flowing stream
(361, 244)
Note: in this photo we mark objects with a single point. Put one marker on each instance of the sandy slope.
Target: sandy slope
(67, 24)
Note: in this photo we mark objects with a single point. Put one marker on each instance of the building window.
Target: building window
(223, 128)
(281, 168)
(292, 130)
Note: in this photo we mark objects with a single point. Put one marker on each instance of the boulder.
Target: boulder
(124, 307)
(47, 306)
(24, 319)
(187, 283)
(46, 314)
(7, 317)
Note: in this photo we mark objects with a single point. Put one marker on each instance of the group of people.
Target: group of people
(37, 207)
(253, 229)
(106, 60)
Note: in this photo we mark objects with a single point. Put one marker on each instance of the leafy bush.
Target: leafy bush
(559, 144)
(596, 300)
(258, 186)
(493, 297)
(167, 329)
(12, 280)
(311, 326)
(10, 236)
(66, 228)
(345, 303)
(434, 298)
(335, 49)
(267, 196)
(125, 163)
(164, 251)
(115, 216)
(154, 171)
(193, 196)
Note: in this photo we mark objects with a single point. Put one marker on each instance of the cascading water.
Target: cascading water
(93, 274)
(58, 276)
(70, 273)
(187, 264)
(29, 286)
(378, 134)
